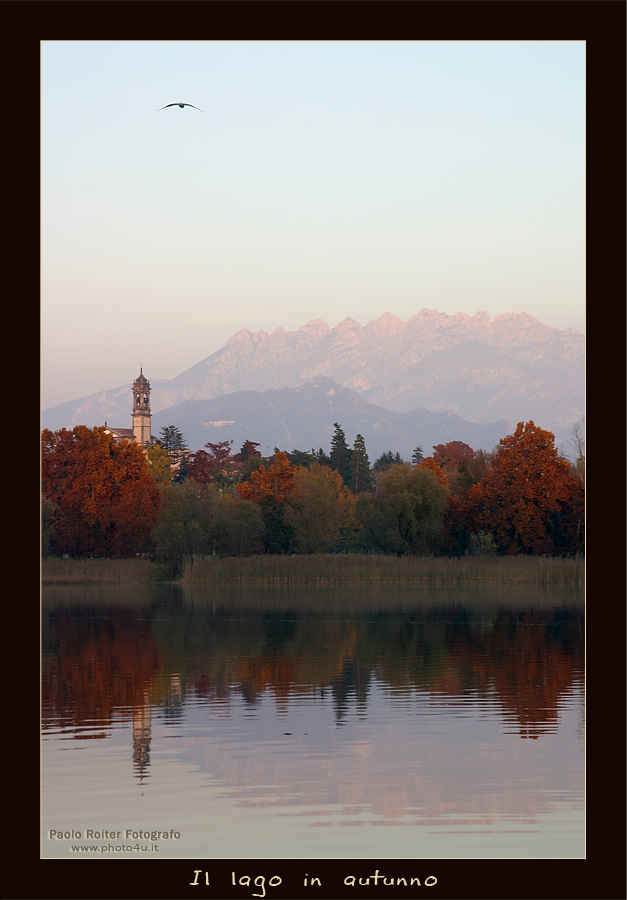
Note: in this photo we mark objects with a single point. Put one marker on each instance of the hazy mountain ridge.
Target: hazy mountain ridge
(302, 418)
(511, 368)
(482, 369)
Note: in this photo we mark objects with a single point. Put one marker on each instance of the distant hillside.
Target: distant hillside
(302, 418)
(512, 368)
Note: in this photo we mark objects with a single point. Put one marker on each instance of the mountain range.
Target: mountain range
(400, 384)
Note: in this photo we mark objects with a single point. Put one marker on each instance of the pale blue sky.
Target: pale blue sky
(325, 180)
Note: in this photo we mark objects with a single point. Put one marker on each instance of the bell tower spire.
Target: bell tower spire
(141, 409)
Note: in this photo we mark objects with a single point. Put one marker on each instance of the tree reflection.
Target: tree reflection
(95, 663)
(100, 665)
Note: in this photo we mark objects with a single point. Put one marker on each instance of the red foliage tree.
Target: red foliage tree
(526, 488)
(208, 465)
(106, 499)
(247, 451)
(453, 452)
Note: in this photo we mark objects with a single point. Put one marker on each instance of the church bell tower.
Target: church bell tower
(141, 410)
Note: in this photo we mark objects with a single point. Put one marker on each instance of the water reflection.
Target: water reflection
(134, 655)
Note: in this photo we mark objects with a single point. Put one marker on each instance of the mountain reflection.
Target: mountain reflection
(100, 661)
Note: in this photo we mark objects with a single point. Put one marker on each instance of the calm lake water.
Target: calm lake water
(335, 724)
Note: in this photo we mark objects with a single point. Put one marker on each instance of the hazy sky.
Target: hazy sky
(324, 180)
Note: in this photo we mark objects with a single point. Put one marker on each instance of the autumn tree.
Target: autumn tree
(568, 522)
(107, 501)
(319, 510)
(49, 512)
(452, 452)
(211, 465)
(473, 469)
(275, 481)
(528, 485)
(406, 515)
(453, 458)
(159, 464)
(430, 465)
(247, 451)
(270, 487)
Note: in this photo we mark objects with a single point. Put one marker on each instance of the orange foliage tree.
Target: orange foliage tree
(274, 482)
(106, 500)
(270, 487)
(527, 487)
(453, 452)
(431, 466)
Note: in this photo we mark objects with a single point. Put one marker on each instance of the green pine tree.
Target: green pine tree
(172, 439)
(340, 454)
(360, 475)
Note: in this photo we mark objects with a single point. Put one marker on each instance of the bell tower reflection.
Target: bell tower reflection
(142, 720)
(170, 699)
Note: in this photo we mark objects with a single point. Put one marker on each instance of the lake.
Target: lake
(337, 723)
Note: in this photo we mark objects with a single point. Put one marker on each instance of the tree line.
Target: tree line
(105, 499)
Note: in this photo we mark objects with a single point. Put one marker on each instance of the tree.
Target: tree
(431, 466)
(386, 460)
(175, 445)
(407, 514)
(238, 524)
(340, 454)
(319, 510)
(578, 442)
(49, 512)
(301, 457)
(276, 481)
(417, 456)
(526, 487)
(196, 520)
(270, 487)
(472, 470)
(159, 464)
(452, 452)
(248, 451)
(107, 500)
(360, 475)
(211, 465)
(321, 457)
(172, 439)
(183, 528)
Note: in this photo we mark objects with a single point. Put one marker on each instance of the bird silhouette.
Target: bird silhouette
(182, 105)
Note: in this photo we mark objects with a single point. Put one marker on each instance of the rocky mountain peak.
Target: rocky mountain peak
(511, 368)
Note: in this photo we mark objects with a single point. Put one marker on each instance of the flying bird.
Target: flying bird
(182, 105)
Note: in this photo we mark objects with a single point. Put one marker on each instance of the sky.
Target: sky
(322, 180)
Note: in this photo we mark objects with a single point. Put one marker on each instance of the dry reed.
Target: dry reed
(96, 571)
(324, 569)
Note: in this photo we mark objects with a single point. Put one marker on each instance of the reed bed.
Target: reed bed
(96, 571)
(330, 569)
(323, 569)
